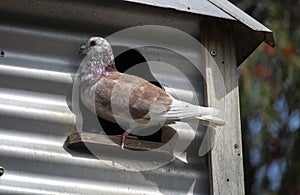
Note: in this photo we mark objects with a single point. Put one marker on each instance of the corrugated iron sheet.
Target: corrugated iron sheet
(215, 8)
(39, 40)
(248, 33)
(196, 7)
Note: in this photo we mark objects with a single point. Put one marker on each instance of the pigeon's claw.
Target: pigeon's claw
(125, 136)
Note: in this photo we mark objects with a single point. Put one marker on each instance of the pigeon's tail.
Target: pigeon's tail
(187, 112)
(211, 121)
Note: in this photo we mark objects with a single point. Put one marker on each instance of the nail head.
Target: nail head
(213, 52)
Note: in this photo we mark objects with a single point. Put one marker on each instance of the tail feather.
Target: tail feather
(210, 120)
(192, 113)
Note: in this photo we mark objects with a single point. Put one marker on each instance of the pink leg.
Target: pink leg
(124, 136)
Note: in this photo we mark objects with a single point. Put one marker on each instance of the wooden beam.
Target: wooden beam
(222, 92)
(78, 141)
(108, 147)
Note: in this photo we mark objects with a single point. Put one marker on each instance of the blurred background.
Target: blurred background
(270, 101)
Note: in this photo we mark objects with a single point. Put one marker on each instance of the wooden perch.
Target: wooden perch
(108, 147)
(80, 141)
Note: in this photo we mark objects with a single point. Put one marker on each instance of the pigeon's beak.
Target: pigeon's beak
(82, 48)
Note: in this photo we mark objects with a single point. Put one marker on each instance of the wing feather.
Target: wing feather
(143, 96)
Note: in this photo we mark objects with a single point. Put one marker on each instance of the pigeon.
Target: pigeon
(128, 100)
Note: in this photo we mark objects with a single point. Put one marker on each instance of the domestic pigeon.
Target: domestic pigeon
(128, 100)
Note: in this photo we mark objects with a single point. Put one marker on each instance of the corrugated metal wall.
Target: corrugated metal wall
(39, 40)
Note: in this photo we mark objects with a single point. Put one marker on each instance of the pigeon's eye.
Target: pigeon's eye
(92, 43)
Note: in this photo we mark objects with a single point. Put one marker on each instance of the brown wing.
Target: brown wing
(115, 88)
(145, 96)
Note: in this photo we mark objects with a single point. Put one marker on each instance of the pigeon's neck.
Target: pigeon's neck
(94, 65)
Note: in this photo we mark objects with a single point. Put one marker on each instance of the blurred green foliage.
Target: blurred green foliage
(270, 101)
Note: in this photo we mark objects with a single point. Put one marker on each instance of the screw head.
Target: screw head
(213, 52)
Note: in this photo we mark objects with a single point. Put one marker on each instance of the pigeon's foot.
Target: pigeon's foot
(124, 136)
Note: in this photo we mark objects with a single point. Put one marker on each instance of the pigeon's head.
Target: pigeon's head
(94, 42)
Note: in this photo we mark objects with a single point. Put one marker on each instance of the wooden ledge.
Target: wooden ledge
(80, 141)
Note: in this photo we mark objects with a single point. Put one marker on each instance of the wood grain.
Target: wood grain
(226, 160)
